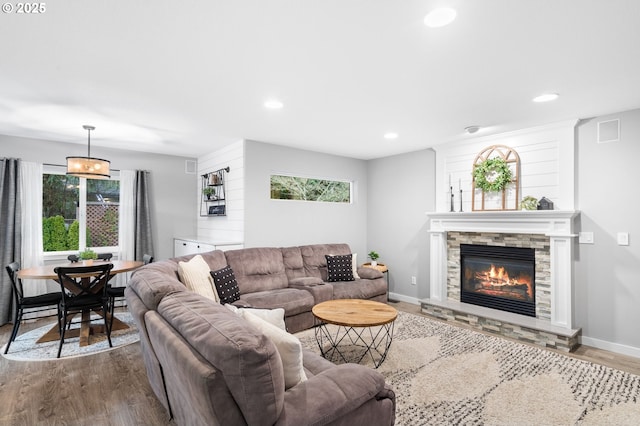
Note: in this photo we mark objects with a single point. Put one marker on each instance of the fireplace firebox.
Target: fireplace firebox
(498, 277)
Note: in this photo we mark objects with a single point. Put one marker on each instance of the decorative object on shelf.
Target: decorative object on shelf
(213, 200)
(451, 209)
(374, 257)
(545, 204)
(88, 167)
(496, 171)
(208, 192)
(529, 203)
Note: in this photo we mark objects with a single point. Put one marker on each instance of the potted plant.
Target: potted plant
(208, 192)
(374, 257)
(88, 256)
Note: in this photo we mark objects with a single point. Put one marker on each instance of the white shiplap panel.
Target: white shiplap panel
(546, 158)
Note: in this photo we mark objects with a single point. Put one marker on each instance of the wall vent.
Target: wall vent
(609, 131)
(190, 167)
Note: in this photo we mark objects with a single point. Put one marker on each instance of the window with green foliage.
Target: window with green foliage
(308, 189)
(78, 213)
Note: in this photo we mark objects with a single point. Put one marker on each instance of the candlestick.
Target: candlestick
(451, 192)
(461, 201)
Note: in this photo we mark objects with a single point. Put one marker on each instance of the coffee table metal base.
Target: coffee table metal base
(335, 340)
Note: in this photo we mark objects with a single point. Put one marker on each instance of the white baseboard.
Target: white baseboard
(402, 298)
(612, 347)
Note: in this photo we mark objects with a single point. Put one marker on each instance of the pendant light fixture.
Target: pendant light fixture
(88, 167)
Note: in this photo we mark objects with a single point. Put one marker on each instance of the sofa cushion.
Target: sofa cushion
(257, 269)
(339, 268)
(152, 285)
(293, 301)
(360, 289)
(226, 285)
(248, 360)
(288, 346)
(195, 275)
(313, 256)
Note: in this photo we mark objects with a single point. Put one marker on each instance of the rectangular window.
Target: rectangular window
(78, 212)
(309, 189)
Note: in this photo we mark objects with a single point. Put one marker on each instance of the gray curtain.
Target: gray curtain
(143, 229)
(10, 230)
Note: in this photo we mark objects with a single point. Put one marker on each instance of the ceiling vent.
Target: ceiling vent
(609, 131)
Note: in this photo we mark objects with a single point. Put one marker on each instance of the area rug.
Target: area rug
(25, 348)
(448, 375)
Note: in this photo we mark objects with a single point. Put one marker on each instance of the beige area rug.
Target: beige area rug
(25, 348)
(447, 375)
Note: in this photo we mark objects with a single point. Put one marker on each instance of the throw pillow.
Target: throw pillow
(194, 274)
(226, 284)
(272, 316)
(354, 265)
(288, 346)
(339, 268)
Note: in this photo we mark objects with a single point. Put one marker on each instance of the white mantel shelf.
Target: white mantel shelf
(558, 225)
(546, 222)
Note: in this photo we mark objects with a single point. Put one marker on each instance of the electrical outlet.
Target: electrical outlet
(413, 281)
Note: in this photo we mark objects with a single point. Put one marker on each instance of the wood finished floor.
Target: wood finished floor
(111, 388)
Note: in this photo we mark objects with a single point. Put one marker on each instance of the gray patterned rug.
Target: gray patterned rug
(25, 348)
(447, 375)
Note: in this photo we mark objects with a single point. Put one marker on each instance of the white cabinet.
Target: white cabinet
(184, 246)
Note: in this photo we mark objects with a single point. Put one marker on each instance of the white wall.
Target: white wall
(229, 228)
(607, 275)
(281, 223)
(172, 190)
(401, 191)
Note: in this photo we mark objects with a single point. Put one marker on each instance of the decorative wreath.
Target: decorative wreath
(489, 166)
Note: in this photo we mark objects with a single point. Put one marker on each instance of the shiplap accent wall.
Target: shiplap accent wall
(231, 226)
(547, 164)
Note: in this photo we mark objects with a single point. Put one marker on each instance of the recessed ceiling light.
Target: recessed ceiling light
(471, 129)
(390, 135)
(440, 17)
(273, 104)
(546, 97)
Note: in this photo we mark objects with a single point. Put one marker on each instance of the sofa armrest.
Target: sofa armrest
(320, 290)
(333, 394)
(369, 273)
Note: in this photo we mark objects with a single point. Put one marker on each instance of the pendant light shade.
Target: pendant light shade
(88, 167)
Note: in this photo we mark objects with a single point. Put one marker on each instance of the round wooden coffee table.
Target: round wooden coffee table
(348, 323)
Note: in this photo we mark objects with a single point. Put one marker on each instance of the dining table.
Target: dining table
(47, 272)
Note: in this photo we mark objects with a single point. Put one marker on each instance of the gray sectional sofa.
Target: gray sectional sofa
(208, 365)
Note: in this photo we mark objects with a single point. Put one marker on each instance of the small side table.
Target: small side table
(382, 268)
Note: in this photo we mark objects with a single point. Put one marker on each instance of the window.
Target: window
(77, 212)
(308, 189)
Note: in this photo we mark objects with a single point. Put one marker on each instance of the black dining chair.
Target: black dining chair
(83, 288)
(73, 258)
(105, 256)
(43, 301)
(118, 292)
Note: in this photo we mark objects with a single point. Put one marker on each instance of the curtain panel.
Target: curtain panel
(10, 229)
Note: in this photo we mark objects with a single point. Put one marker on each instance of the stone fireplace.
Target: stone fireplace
(532, 273)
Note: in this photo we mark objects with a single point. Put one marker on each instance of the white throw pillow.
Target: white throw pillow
(272, 316)
(354, 264)
(288, 346)
(195, 275)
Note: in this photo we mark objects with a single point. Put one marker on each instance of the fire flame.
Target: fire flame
(498, 273)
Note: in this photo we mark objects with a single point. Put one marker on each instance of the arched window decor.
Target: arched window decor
(496, 176)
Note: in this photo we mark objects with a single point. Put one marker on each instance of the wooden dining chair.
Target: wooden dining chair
(42, 301)
(105, 256)
(83, 288)
(118, 292)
